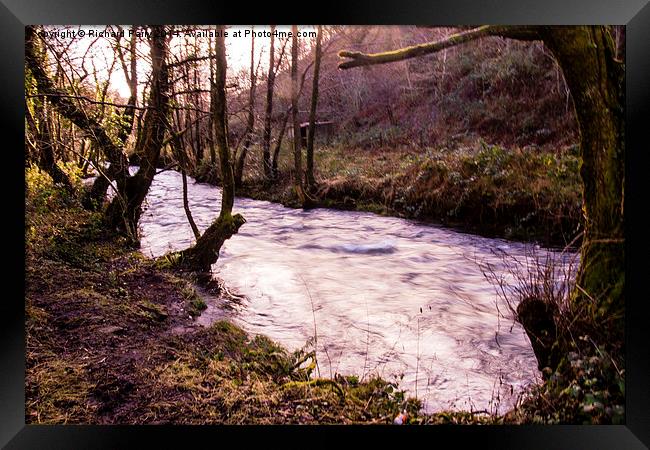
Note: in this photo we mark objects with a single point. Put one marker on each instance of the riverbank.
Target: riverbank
(111, 337)
(530, 194)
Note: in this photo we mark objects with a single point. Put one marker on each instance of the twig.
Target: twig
(417, 362)
(314, 317)
(367, 338)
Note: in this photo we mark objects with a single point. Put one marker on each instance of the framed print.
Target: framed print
(419, 221)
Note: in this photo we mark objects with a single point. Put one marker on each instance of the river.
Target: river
(386, 296)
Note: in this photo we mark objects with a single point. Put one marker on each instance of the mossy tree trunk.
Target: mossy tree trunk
(587, 56)
(205, 252)
(596, 78)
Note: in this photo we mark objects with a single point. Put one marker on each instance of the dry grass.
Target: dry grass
(588, 384)
(550, 277)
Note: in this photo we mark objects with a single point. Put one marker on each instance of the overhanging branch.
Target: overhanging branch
(357, 59)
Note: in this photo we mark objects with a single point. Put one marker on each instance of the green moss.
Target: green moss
(151, 311)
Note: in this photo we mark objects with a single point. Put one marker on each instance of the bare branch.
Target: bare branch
(190, 60)
(86, 99)
(358, 59)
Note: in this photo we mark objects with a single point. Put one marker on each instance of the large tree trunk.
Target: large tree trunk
(205, 252)
(311, 182)
(587, 56)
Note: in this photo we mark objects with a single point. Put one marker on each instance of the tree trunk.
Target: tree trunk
(124, 211)
(250, 123)
(285, 120)
(297, 141)
(213, 152)
(45, 157)
(197, 126)
(186, 206)
(311, 182)
(278, 144)
(205, 252)
(587, 56)
(270, 84)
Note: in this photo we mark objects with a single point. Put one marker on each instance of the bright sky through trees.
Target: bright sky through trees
(96, 43)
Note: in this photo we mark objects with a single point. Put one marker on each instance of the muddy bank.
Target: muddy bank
(112, 338)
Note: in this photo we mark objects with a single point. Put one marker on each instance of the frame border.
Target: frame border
(635, 14)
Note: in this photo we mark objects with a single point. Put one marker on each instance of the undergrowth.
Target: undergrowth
(587, 385)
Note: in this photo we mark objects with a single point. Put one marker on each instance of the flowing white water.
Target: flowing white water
(389, 296)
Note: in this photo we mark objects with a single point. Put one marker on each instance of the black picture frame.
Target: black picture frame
(635, 14)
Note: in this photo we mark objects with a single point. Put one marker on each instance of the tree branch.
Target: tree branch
(87, 99)
(68, 109)
(190, 60)
(358, 59)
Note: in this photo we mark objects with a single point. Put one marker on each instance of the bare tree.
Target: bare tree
(205, 252)
(250, 122)
(311, 182)
(62, 101)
